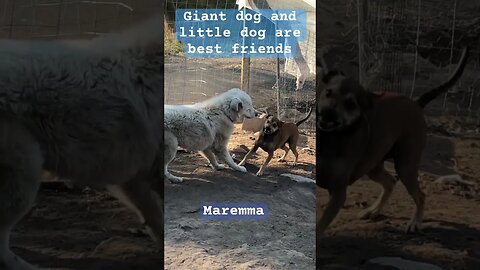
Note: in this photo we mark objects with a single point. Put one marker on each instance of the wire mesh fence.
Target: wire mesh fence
(411, 46)
(189, 80)
(68, 19)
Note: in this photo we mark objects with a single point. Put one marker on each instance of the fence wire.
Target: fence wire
(69, 19)
(413, 45)
(189, 80)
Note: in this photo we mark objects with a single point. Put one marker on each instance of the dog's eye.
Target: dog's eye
(328, 92)
(349, 104)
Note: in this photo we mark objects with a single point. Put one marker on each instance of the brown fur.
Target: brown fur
(357, 131)
(274, 135)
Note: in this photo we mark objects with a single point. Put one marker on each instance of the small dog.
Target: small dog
(206, 127)
(358, 130)
(274, 135)
(89, 111)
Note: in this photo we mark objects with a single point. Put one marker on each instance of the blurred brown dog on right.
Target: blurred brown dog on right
(358, 130)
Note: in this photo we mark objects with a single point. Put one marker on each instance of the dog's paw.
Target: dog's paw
(259, 173)
(413, 227)
(241, 169)
(175, 179)
(220, 167)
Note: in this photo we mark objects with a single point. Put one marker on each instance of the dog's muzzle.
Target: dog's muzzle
(268, 130)
(328, 119)
(327, 125)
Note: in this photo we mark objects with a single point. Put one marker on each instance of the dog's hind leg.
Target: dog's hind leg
(208, 154)
(292, 142)
(410, 179)
(20, 169)
(294, 150)
(387, 181)
(170, 146)
(407, 170)
(286, 149)
(139, 195)
(293, 147)
(407, 158)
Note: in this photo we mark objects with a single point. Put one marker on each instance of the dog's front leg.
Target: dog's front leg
(244, 160)
(264, 165)
(139, 195)
(337, 199)
(223, 154)
(208, 154)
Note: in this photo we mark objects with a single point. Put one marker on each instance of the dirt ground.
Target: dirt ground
(83, 228)
(87, 229)
(284, 241)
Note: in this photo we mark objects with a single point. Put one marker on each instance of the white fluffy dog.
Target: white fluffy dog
(206, 127)
(89, 111)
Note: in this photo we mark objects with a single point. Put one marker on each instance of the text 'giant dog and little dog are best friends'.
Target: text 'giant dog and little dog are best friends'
(235, 33)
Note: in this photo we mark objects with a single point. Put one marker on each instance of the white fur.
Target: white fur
(206, 127)
(89, 111)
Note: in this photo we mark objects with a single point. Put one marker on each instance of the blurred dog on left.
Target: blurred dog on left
(90, 111)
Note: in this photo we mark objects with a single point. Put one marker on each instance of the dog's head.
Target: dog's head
(271, 125)
(239, 105)
(341, 102)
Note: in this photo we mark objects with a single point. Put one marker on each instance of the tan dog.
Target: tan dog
(274, 135)
(358, 130)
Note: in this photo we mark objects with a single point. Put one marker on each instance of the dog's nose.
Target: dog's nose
(328, 115)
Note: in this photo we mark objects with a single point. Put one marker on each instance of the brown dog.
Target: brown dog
(274, 135)
(358, 130)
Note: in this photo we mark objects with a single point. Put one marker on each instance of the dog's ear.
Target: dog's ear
(236, 104)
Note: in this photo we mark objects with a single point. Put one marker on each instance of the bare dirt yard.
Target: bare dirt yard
(284, 241)
(76, 228)
(82, 228)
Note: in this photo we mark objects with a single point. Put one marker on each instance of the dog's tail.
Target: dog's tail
(305, 119)
(435, 92)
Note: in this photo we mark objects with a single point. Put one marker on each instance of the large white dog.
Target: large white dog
(90, 111)
(206, 127)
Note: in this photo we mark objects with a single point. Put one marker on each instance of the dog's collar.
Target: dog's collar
(229, 118)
